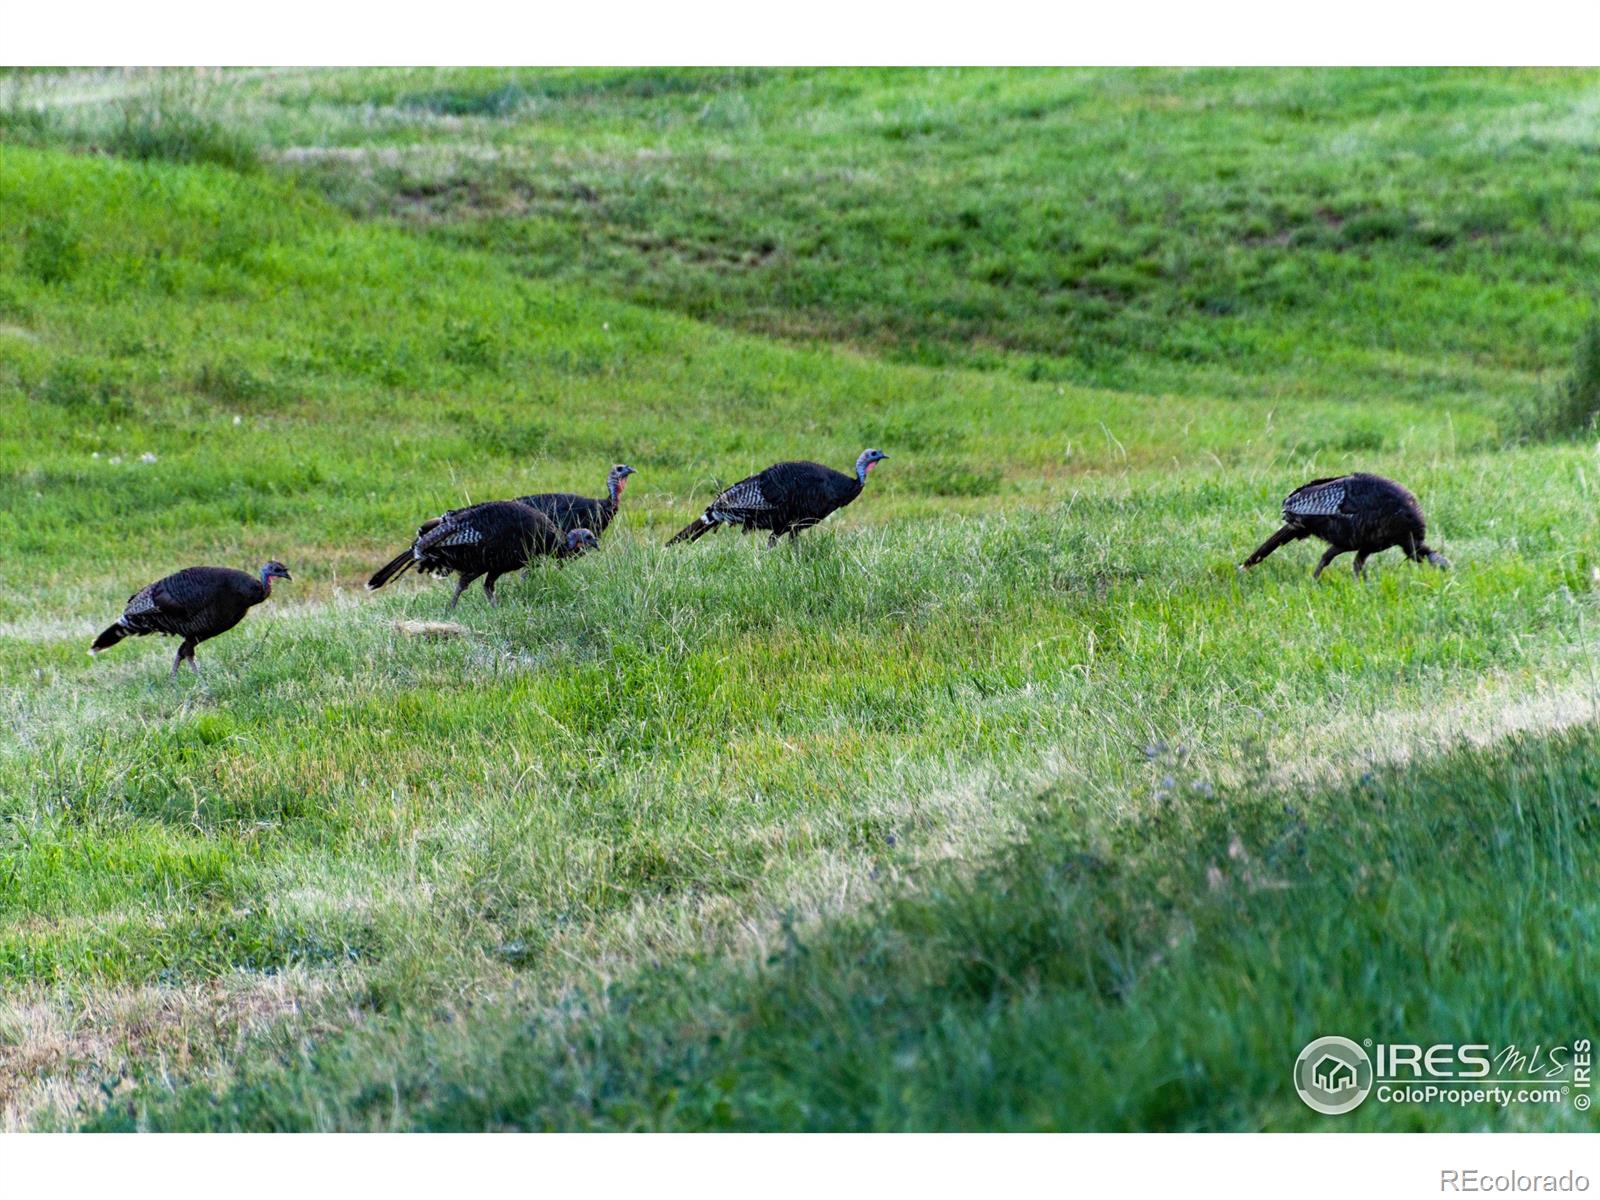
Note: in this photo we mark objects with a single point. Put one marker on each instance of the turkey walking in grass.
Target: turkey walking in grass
(195, 604)
(1358, 513)
(571, 512)
(490, 540)
(785, 498)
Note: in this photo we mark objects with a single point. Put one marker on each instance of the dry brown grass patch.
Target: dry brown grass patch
(60, 1053)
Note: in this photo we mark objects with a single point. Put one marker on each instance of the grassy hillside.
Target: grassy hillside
(901, 827)
(1143, 228)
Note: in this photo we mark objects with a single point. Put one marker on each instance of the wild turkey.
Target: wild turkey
(571, 512)
(196, 604)
(489, 539)
(1361, 513)
(785, 498)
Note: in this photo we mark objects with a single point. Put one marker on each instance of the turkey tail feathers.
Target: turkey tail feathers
(109, 638)
(1283, 537)
(693, 531)
(395, 566)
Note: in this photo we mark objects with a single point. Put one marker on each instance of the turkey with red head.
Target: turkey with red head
(196, 604)
(490, 540)
(570, 511)
(783, 499)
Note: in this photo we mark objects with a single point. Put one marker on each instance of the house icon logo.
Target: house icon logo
(1333, 1075)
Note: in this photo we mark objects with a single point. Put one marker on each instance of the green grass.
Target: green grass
(1136, 970)
(677, 839)
(1571, 408)
(1139, 229)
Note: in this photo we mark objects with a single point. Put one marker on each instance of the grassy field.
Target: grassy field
(1000, 801)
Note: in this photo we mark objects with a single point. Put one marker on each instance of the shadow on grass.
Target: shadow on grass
(1157, 969)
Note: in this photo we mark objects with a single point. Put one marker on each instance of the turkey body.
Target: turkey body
(568, 511)
(784, 499)
(196, 604)
(1359, 513)
(484, 540)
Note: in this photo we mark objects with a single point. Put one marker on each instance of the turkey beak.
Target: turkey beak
(285, 574)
